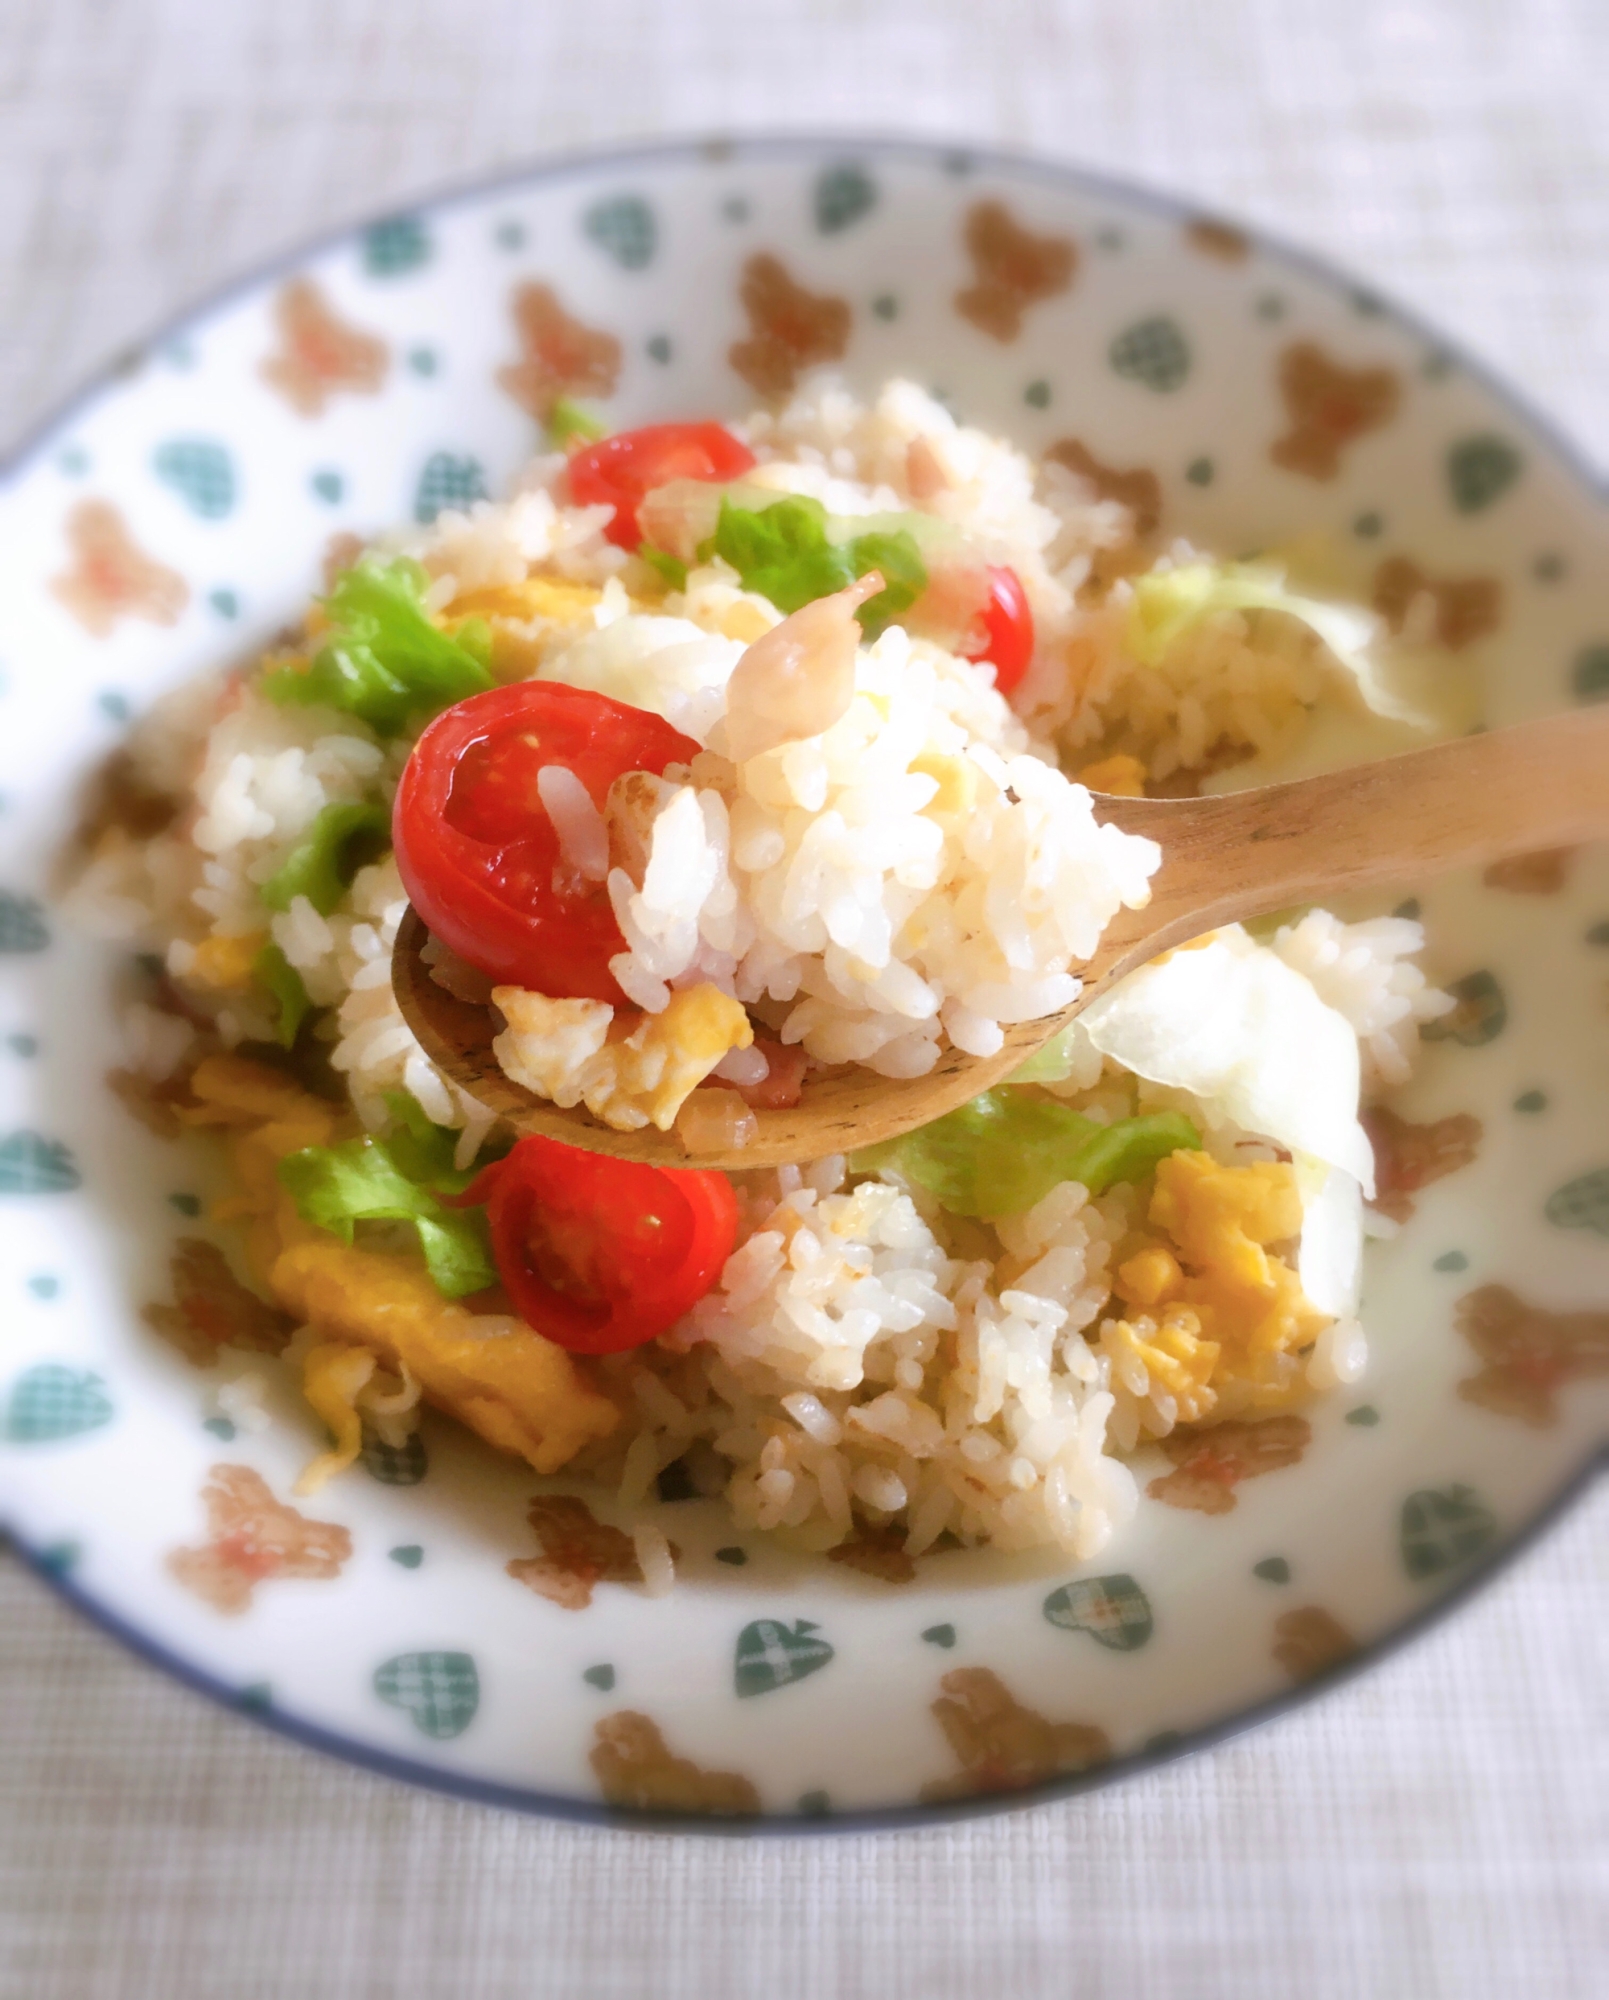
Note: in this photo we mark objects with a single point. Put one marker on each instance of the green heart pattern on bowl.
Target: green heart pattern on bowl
(49, 1402)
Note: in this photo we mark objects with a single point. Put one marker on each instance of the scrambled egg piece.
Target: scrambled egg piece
(500, 1377)
(269, 1115)
(561, 1050)
(333, 1378)
(527, 620)
(743, 620)
(532, 597)
(1211, 1306)
(1222, 1220)
(1173, 1354)
(226, 962)
(957, 781)
(519, 1391)
(553, 601)
(1121, 776)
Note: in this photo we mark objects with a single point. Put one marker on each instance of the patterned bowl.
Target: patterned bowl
(179, 510)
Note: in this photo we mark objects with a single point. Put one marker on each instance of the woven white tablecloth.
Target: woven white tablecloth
(1441, 1828)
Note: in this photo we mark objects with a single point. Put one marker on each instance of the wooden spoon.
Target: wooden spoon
(1480, 799)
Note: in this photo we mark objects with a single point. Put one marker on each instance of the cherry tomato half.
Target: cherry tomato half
(600, 1254)
(1010, 627)
(477, 852)
(622, 469)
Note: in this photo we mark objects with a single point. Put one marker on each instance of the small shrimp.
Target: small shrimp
(799, 678)
(924, 475)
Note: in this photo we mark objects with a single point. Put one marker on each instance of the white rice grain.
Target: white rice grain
(583, 839)
(654, 1559)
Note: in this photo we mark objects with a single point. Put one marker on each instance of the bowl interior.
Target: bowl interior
(180, 511)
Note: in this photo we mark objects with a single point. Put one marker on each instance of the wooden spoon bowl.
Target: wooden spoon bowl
(1480, 799)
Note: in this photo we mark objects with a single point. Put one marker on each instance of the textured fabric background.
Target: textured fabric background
(1441, 1828)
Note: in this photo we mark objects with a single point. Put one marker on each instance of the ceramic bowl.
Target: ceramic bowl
(178, 512)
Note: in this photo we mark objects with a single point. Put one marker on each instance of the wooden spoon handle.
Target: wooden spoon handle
(1480, 799)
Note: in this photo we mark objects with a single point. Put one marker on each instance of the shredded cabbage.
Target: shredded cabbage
(1168, 602)
(1235, 1026)
(1005, 1150)
(1054, 1061)
(1330, 1255)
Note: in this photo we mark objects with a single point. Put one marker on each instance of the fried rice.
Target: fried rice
(925, 867)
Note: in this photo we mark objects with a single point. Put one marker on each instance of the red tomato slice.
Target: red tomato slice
(600, 1254)
(1010, 627)
(477, 852)
(622, 469)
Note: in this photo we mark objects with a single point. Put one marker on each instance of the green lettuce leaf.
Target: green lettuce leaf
(424, 1151)
(397, 1179)
(1168, 602)
(271, 968)
(569, 424)
(1005, 1150)
(786, 553)
(343, 839)
(1051, 1062)
(781, 551)
(670, 567)
(904, 577)
(384, 660)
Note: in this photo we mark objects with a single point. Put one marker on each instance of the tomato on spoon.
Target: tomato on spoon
(478, 854)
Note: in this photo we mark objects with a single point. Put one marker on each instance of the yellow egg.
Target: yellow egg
(333, 1375)
(744, 621)
(626, 1079)
(1223, 1218)
(1149, 1277)
(1176, 1357)
(380, 1307)
(533, 597)
(957, 781)
(1122, 776)
(519, 1391)
(1213, 1309)
(225, 962)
